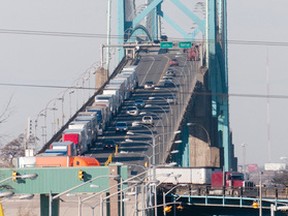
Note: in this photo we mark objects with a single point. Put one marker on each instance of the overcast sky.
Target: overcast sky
(54, 60)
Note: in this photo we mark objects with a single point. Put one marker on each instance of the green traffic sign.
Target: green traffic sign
(166, 45)
(185, 44)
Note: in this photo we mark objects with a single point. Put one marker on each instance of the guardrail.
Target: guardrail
(90, 101)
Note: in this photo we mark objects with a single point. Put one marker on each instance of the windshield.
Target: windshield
(121, 124)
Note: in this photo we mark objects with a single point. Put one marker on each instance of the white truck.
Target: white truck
(114, 90)
(102, 114)
(122, 81)
(109, 99)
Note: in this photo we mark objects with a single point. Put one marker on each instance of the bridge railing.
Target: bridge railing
(207, 190)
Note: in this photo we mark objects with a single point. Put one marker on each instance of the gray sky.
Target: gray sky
(40, 59)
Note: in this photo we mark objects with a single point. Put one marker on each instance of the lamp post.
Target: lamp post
(153, 165)
(208, 141)
(117, 185)
(62, 109)
(154, 105)
(51, 198)
(163, 137)
(40, 114)
(153, 186)
(260, 193)
(175, 115)
(70, 105)
(15, 175)
(164, 195)
(121, 199)
(206, 132)
(136, 153)
(178, 91)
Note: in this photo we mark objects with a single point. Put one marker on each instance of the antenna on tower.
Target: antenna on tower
(29, 139)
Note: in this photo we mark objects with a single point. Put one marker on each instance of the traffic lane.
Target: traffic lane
(122, 116)
(120, 138)
(151, 68)
(110, 133)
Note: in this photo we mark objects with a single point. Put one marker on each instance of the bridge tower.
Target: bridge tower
(216, 28)
(213, 29)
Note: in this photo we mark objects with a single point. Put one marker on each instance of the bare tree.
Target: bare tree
(6, 112)
(13, 149)
(281, 178)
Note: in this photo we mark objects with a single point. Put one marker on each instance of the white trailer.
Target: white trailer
(87, 126)
(117, 97)
(123, 81)
(197, 176)
(102, 115)
(109, 99)
(117, 86)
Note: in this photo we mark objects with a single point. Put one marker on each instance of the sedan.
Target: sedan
(121, 127)
(109, 144)
(133, 110)
(170, 73)
(173, 62)
(139, 103)
(149, 85)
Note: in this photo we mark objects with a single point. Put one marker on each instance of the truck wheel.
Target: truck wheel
(235, 193)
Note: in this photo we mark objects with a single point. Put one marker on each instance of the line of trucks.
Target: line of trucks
(82, 133)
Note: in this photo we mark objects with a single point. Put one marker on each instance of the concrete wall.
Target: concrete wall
(203, 155)
(102, 76)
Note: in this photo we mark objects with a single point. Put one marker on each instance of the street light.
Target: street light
(137, 153)
(70, 105)
(51, 198)
(6, 194)
(154, 105)
(15, 175)
(129, 180)
(164, 195)
(206, 132)
(159, 119)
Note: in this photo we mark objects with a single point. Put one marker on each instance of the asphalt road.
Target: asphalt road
(137, 150)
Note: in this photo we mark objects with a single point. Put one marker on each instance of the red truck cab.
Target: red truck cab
(232, 179)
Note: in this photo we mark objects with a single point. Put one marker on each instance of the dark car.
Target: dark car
(121, 127)
(109, 144)
(139, 103)
(170, 73)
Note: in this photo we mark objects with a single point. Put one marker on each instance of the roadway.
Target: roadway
(137, 149)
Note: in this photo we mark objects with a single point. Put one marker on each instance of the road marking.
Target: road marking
(153, 58)
(165, 69)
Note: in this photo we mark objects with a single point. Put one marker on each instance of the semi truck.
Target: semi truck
(109, 100)
(193, 53)
(103, 115)
(207, 181)
(64, 161)
(49, 160)
(78, 137)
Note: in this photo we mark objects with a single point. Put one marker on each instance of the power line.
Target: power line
(94, 35)
(196, 93)
(43, 86)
